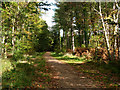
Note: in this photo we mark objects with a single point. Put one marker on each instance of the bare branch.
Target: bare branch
(96, 10)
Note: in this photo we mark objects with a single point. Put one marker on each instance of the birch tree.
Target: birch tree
(104, 28)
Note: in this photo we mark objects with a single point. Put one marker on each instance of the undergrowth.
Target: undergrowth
(23, 73)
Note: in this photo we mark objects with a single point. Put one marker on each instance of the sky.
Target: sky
(48, 16)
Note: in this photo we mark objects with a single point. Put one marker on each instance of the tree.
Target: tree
(21, 26)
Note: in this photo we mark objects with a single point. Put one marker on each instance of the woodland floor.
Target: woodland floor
(65, 76)
(45, 71)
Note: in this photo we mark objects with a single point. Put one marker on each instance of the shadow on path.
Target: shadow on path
(66, 75)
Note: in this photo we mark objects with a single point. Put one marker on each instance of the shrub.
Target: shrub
(17, 55)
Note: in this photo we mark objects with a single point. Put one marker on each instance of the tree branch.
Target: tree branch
(117, 5)
(96, 10)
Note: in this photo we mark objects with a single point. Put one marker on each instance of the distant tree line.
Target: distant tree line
(89, 25)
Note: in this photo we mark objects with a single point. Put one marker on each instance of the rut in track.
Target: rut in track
(66, 76)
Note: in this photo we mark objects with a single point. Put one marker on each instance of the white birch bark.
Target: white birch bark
(73, 44)
(5, 55)
(116, 26)
(3, 42)
(104, 29)
(13, 38)
(118, 15)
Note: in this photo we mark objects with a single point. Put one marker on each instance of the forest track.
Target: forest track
(66, 76)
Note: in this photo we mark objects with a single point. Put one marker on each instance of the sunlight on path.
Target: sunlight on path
(66, 75)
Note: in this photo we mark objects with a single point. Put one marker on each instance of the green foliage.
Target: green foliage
(19, 77)
(54, 54)
(24, 72)
(83, 45)
(23, 29)
(17, 55)
(86, 23)
(58, 50)
(94, 41)
(6, 65)
(43, 41)
(69, 58)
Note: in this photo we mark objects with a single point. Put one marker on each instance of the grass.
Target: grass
(106, 75)
(54, 54)
(30, 72)
(69, 58)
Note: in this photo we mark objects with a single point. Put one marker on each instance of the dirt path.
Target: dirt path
(66, 75)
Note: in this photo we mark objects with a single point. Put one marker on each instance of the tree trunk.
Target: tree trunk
(64, 40)
(80, 37)
(72, 36)
(13, 37)
(116, 27)
(119, 43)
(115, 31)
(68, 40)
(118, 18)
(66, 46)
(85, 28)
(86, 38)
(3, 45)
(5, 55)
(60, 40)
(105, 32)
(5, 49)
(73, 44)
(23, 35)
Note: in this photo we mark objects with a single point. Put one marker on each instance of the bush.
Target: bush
(83, 46)
(17, 55)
